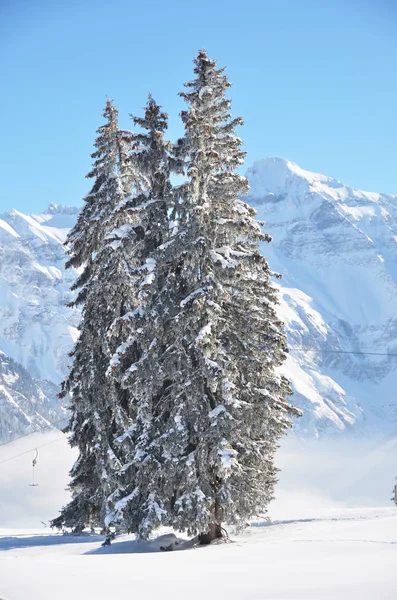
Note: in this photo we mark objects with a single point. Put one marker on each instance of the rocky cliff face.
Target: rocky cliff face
(36, 328)
(26, 404)
(337, 250)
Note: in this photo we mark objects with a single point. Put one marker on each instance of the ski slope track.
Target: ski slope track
(337, 250)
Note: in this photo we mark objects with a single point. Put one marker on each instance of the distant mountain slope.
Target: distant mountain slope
(26, 404)
(337, 250)
(36, 328)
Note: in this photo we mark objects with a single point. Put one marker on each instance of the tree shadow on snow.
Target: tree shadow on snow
(167, 541)
(24, 541)
(125, 547)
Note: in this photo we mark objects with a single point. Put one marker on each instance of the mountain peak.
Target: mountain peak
(61, 209)
(275, 175)
(336, 248)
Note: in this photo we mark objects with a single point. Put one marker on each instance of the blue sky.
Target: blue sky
(314, 80)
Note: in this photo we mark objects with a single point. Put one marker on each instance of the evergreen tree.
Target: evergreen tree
(102, 293)
(231, 406)
(136, 335)
(215, 405)
(177, 403)
(207, 406)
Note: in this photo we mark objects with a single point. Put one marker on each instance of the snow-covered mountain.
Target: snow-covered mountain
(26, 404)
(36, 328)
(337, 250)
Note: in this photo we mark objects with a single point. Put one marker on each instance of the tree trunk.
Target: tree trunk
(215, 532)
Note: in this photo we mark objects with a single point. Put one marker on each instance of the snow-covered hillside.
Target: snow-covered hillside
(26, 404)
(343, 555)
(337, 250)
(330, 548)
(36, 328)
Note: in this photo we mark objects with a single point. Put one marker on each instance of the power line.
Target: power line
(343, 351)
(290, 348)
(35, 431)
(31, 450)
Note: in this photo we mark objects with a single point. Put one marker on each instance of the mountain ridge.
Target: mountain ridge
(339, 291)
(26, 404)
(336, 248)
(36, 328)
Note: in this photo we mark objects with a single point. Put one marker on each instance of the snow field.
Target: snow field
(352, 555)
(316, 548)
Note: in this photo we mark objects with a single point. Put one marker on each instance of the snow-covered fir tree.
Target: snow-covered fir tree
(136, 335)
(210, 405)
(177, 403)
(103, 293)
(228, 403)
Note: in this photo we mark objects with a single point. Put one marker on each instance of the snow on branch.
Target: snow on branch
(192, 296)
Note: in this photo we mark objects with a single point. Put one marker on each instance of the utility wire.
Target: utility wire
(290, 348)
(31, 450)
(343, 351)
(35, 431)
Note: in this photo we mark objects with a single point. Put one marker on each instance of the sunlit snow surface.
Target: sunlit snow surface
(341, 555)
(332, 534)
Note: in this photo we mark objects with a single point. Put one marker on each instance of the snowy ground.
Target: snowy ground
(349, 554)
(318, 546)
